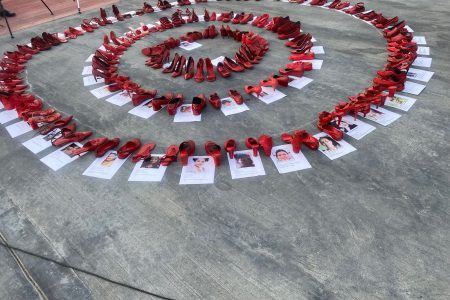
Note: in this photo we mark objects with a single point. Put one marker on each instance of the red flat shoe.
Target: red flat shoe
(256, 89)
(215, 101)
(91, 145)
(170, 156)
(186, 149)
(324, 125)
(69, 130)
(198, 104)
(212, 149)
(34, 122)
(57, 124)
(223, 70)
(174, 104)
(266, 143)
(128, 148)
(230, 147)
(253, 144)
(236, 96)
(297, 72)
(108, 145)
(144, 152)
(74, 137)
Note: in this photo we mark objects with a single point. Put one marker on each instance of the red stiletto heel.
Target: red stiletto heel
(186, 149)
(212, 149)
(230, 147)
(253, 89)
(266, 143)
(253, 144)
(199, 77)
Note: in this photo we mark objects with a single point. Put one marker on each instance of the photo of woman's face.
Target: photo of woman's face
(199, 162)
(327, 143)
(110, 157)
(282, 155)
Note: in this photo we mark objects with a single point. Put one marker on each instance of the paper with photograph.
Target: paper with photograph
(105, 167)
(90, 80)
(286, 160)
(120, 99)
(230, 107)
(144, 110)
(299, 82)
(355, 128)
(381, 116)
(87, 70)
(189, 46)
(8, 115)
(331, 148)
(102, 92)
(184, 114)
(244, 165)
(400, 102)
(418, 74)
(42, 142)
(19, 128)
(149, 169)
(413, 88)
(199, 170)
(424, 62)
(61, 157)
(269, 95)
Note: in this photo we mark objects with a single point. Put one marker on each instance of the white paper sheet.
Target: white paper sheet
(102, 92)
(105, 167)
(87, 70)
(148, 170)
(420, 40)
(144, 110)
(244, 165)
(8, 115)
(381, 116)
(1, 105)
(400, 102)
(19, 128)
(184, 114)
(423, 50)
(189, 46)
(90, 80)
(413, 88)
(409, 29)
(59, 158)
(42, 142)
(423, 62)
(89, 59)
(119, 99)
(217, 60)
(200, 170)
(230, 107)
(286, 160)
(418, 74)
(269, 95)
(331, 148)
(316, 63)
(355, 128)
(318, 50)
(299, 82)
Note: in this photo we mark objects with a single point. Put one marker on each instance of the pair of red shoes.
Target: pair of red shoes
(261, 21)
(299, 138)
(275, 80)
(187, 148)
(264, 141)
(69, 135)
(163, 4)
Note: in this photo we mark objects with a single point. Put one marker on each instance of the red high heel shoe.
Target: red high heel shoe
(253, 144)
(105, 147)
(210, 74)
(180, 67)
(199, 77)
(170, 156)
(72, 138)
(142, 95)
(117, 14)
(174, 104)
(157, 103)
(144, 152)
(128, 148)
(198, 104)
(223, 70)
(90, 146)
(186, 149)
(215, 101)
(236, 96)
(35, 121)
(231, 65)
(266, 143)
(324, 125)
(30, 113)
(230, 147)
(212, 149)
(57, 124)
(256, 89)
(242, 61)
(173, 64)
(189, 68)
(104, 17)
(297, 72)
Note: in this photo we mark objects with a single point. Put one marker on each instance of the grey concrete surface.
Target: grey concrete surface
(371, 225)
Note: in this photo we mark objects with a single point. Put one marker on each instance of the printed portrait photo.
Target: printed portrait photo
(374, 114)
(153, 162)
(344, 126)
(326, 143)
(199, 165)
(68, 149)
(282, 155)
(54, 134)
(185, 109)
(109, 159)
(243, 161)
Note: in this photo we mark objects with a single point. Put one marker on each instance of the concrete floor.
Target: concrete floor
(371, 225)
